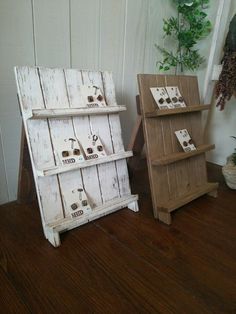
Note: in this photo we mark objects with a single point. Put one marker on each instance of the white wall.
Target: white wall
(117, 35)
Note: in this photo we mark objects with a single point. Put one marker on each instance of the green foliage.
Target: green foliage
(186, 30)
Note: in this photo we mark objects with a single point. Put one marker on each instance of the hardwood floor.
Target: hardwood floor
(123, 263)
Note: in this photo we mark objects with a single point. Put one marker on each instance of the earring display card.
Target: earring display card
(175, 96)
(92, 146)
(185, 140)
(92, 96)
(161, 97)
(76, 202)
(68, 151)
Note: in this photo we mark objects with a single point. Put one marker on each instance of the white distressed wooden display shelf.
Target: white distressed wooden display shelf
(83, 164)
(52, 107)
(69, 112)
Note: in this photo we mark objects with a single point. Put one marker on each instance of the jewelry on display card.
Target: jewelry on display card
(161, 97)
(76, 202)
(92, 96)
(68, 151)
(185, 140)
(175, 96)
(92, 147)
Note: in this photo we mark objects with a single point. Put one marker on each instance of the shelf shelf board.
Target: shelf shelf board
(166, 112)
(69, 112)
(168, 159)
(83, 164)
(97, 212)
(190, 196)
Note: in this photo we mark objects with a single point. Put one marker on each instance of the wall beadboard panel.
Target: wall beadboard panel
(85, 34)
(16, 47)
(112, 30)
(134, 41)
(92, 34)
(52, 32)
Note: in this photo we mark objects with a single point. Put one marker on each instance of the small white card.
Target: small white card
(161, 97)
(185, 140)
(77, 202)
(92, 96)
(92, 146)
(68, 150)
(175, 96)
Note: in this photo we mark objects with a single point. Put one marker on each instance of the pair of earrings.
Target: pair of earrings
(161, 100)
(74, 206)
(67, 153)
(180, 99)
(94, 98)
(186, 143)
(90, 150)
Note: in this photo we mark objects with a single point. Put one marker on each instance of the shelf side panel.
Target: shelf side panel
(154, 142)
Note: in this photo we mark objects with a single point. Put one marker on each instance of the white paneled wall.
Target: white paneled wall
(116, 35)
(86, 34)
(16, 47)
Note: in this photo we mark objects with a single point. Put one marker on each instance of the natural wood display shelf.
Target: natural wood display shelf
(166, 112)
(168, 159)
(69, 112)
(83, 164)
(176, 177)
(190, 196)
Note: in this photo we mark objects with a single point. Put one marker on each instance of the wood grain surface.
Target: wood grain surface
(172, 182)
(124, 263)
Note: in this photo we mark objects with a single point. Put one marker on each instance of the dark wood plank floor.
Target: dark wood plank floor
(123, 263)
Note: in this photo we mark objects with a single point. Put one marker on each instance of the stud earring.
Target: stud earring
(89, 150)
(65, 153)
(90, 98)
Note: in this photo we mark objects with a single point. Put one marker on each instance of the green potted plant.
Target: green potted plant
(185, 30)
(229, 170)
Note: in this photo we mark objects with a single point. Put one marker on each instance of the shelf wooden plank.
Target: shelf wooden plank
(166, 112)
(168, 159)
(193, 194)
(83, 164)
(99, 211)
(69, 112)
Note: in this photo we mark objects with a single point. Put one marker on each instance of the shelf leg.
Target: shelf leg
(164, 217)
(213, 193)
(53, 237)
(133, 206)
